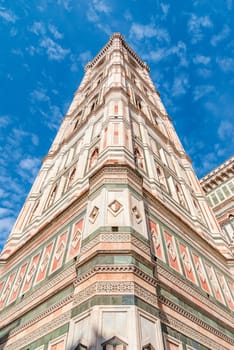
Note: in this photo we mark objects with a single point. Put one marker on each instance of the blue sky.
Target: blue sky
(45, 44)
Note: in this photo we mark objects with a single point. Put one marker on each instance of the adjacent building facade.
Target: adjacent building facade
(116, 247)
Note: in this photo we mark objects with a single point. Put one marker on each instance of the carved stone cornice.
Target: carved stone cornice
(111, 288)
(115, 237)
(116, 269)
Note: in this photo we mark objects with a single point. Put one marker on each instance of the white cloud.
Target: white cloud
(55, 32)
(141, 31)
(204, 72)
(165, 9)
(200, 59)
(96, 10)
(216, 39)
(226, 130)
(7, 15)
(202, 90)
(38, 28)
(180, 85)
(196, 25)
(65, 3)
(226, 64)
(101, 6)
(54, 50)
(179, 50)
(4, 121)
(39, 95)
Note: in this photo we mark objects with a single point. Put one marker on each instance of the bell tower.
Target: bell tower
(116, 246)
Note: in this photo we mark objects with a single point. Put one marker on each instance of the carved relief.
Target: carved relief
(172, 252)
(93, 157)
(156, 240)
(139, 159)
(136, 214)
(115, 207)
(94, 214)
(57, 259)
(75, 241)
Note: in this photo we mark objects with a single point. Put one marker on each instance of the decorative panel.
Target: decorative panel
(75, 240)
(44, 263)
(156, 240)
(59, 252)
(30, 273)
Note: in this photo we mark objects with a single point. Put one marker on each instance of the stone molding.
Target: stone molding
(193, 318)
(21, 308)
(116, 269)
(115, 288)
(190, 332)
(40, 332)
(42, 315)
(115, 237)
(189, 290)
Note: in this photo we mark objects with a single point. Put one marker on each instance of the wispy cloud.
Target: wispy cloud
(216, 39)
(7, 15)
(226, 64)
(226, 130)
(41, 102)
(196, 25)
(82, 59)
(55, 32)
(163, 53)
(47, 45)
(202, 90)
(5, 120)
(54, 51)
(200, 59)
(165, 9)
(96, 10)
(180, 85)
(146, 31)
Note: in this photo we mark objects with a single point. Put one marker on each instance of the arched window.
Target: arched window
(94, 157)
(33, 211)
(114, 343)
(71, 178)
(138, 158)
(52, 196)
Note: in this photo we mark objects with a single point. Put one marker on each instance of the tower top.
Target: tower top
(116, 38)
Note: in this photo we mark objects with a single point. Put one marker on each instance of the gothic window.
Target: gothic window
(52, 196)
(148, 347)
(155, 117)
(114, 343)
(116, 109)
(138, 158)
(81, 347)
(180, 194)
(94, 103)
(77, 120)
(33, 211)
(161, 177)
(71, 178)
(93, 158)
(138, 103)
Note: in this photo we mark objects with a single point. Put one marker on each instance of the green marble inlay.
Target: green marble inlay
(115, 300)
(183, 338)
(47, 338)
(113, 260)
(46, 305)
(196, 313)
